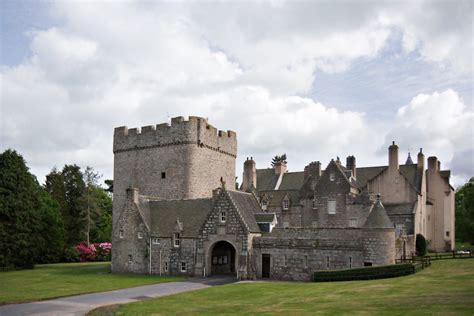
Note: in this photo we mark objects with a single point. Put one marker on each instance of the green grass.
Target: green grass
(64, 279)
(446, 288)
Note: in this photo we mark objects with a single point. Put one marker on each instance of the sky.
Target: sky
(313, 79)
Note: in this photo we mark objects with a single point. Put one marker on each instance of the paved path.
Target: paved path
(81, 304)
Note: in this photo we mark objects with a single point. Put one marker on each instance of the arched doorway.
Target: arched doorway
(223, 258)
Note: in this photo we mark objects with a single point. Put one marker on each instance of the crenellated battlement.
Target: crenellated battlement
(195, 130)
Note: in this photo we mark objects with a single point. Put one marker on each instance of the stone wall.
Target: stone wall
(379, 245)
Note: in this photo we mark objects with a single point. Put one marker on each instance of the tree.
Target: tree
(101, 231)
(75, 190)
(18, 216)
(420, 245)
(278, 159)
(110, 185)
(54, 185)
(91, 179)
(465, 212)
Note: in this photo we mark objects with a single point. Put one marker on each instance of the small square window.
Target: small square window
(155, 241)
(121, 233)
(286, 204)
(163, 175)
(140, 235)
(183, 266)
(331, 206)
(223, 216)
(353, 222)
(447, 234)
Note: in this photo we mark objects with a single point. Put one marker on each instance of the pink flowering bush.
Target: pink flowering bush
(93, 252)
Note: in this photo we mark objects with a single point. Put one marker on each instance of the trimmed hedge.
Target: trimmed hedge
(366, 273)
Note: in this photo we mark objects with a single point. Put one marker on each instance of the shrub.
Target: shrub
(420, 245)
(70, 254)
(93, 252)
(366, 273)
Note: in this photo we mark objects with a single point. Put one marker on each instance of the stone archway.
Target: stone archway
(222, 258)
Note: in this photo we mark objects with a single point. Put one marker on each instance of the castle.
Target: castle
(176, 210)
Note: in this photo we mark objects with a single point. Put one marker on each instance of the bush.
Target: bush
(420, 245)
(70, 255)
(366, 273)
(93, 252)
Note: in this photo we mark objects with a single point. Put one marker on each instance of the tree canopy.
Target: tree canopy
(465, 212)
(278, 159)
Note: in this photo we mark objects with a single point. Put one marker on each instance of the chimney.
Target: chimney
(351, 165)
(132, 195)
(421, 160)
(393, 156)
(280, 168)
(313, 170)
(432, 164)
(249, 177)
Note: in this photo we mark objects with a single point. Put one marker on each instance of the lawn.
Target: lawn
(446, 288)
(55, 280)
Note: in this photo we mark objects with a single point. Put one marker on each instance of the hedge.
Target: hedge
(366, 273)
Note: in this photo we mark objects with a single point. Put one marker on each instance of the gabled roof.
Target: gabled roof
(292, 181)
(247, 206)
(378, 217)
(266, 179)
(410, 172)
(365, 174)
(276, 197)
(400, 209)
(191, 213)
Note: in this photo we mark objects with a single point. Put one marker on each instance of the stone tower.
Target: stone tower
(183, 160)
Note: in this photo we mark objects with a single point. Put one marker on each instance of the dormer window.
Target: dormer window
(332, 176)
(286, 204)
(140, 235)
(176, 239)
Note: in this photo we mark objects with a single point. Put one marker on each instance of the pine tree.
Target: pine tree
(18, 215)
(278, 159)
(75, 189)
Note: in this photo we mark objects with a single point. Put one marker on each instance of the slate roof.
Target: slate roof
(276, 197)
(363, 175)
(399, 209)
(291, 181)
(378, 217)
(191, 213)
(266, 179)
(247, 206)
(264, 217)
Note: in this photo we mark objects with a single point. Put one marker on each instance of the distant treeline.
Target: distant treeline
(43, 223)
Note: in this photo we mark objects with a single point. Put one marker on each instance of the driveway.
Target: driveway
(81, 304)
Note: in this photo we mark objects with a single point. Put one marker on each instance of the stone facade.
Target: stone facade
(176, 211)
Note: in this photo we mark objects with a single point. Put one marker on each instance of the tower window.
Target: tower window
(121, 233)
(327, 262)
(166, 266)
(447, 234)
(163, 175)
(130, 259)
(176, 239)
(350, 262)
(183, 266)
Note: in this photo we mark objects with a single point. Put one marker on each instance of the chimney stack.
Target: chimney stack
(351, 165)
(280, 168)
(421, 160)
(433, 164)
(313, 170)
(249, 176)
(393, 156)
(132, 195)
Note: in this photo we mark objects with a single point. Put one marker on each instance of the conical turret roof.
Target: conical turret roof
(378, 217)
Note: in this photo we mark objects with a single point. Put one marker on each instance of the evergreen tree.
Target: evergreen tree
(18, 212)
(278, 159)
(75, 190)
(92, 210)
(102, 229)
(54, 185)
(465, 212)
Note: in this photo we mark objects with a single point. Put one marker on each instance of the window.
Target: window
(367, 264)
(130, 259)
(166, 266)
(286, 261)
(400, 229)
(155, 241)
(314, 224)
(223, 216)
(176, 239)
(332, 176)
(163, 175)
(121, 233)
(305, 261)
(183, 266)
(286, 204)
(327, 262)
(447, 234)
(353, 222)
(140, 235)
(350, 262)
(264, 204)
(331, 206)
(314, 204)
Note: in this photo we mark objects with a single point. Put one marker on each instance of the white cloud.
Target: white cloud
(245, 66)
(442, 124)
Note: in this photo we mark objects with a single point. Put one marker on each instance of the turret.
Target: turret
(393, 156)
(378, 234)
(351, 165)
(249, 177)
